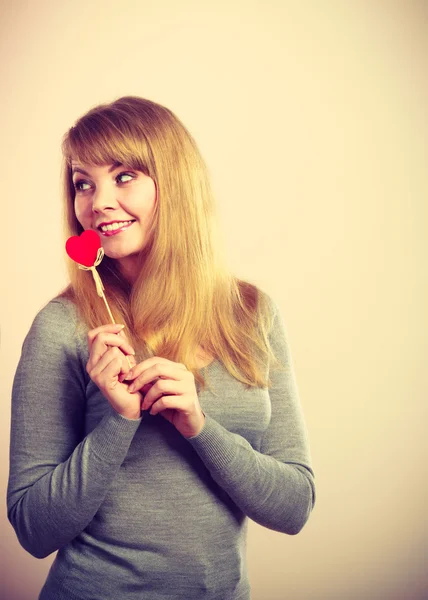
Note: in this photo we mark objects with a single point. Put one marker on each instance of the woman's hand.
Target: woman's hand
(172, 393)
(109, 353)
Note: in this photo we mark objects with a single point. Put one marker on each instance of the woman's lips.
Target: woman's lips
(116, 231)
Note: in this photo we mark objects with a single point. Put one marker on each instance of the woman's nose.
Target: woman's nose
(103, 199)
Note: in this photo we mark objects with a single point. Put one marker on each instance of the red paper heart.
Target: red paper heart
(83, 249)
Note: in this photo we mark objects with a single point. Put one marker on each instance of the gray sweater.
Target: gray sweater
(135, 510)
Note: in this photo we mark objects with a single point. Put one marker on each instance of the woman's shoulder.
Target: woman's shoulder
(57, 318)
(54, 338)
(256, 298)
(267, 308)
(267, 299)
(59, 308)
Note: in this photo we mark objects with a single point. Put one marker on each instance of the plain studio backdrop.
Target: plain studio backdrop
(312, 118)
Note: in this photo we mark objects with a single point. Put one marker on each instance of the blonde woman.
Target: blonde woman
(139, 450)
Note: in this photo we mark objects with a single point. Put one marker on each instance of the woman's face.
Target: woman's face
(107, 199)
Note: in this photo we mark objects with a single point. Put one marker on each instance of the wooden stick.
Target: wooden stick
(108, 308)
(114, 323)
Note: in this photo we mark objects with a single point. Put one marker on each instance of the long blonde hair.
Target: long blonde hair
(184, 295)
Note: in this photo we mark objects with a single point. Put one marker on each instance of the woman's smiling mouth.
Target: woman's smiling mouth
(115, 227)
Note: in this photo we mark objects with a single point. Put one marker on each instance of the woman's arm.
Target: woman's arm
(58, 478)
(274, 487)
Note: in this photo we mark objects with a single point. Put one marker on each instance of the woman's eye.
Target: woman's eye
(78, 184)
(124, 175)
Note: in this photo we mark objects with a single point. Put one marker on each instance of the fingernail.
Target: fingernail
(120, 326)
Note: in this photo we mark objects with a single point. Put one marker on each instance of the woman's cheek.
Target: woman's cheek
(79, 211)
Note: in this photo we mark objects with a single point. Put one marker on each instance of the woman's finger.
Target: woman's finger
(112, 339)
(106, 356)
(112, 355)
(110, 328)
(168, 370)
(165, 387)
(152, 362)
(103, 342)
(164, 403)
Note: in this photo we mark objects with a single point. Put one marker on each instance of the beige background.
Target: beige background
(312, 118)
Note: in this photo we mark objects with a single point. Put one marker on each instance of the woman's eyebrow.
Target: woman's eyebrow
(114, 166)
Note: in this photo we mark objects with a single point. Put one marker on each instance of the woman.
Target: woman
(139, 452)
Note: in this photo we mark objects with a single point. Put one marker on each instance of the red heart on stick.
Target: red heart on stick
(83, 249)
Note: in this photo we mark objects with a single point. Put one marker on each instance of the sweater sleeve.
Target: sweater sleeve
(274, 487)
(58, 478)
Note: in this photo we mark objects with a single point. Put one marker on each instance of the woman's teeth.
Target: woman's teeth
(114, 226)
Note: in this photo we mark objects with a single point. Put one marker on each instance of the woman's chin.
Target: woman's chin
(115, 255)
